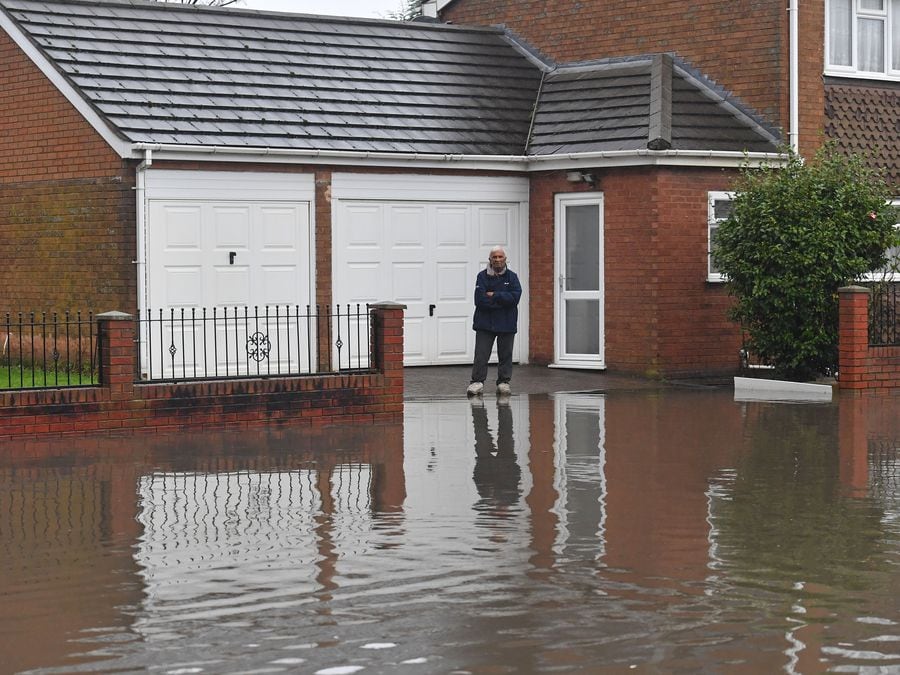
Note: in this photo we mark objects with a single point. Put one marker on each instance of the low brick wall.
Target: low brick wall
(119, 403)
(861, 366)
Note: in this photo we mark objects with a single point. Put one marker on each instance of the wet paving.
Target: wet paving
(667, 531)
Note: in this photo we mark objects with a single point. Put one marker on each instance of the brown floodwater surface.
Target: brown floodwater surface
(654, 532)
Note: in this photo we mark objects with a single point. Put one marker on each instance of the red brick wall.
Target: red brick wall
(66, 201)
(695, 335)
(121, 405)
(661, 315)
(741, 45)
(863, 368)
(811, 64)
(735, 43)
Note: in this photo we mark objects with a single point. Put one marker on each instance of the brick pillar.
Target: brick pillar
(853, 337)
(387, 350)
(117, 354)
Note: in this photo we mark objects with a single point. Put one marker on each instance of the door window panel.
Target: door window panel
(582, 248)
(582, 326)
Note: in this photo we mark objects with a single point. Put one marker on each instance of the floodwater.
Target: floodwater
(661, 532)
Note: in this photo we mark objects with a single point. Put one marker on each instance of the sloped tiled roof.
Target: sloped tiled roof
(607, 106)
(168, 73)
(865, 120)
(186, 75)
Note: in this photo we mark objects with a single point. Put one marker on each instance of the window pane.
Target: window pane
(895, 34)
(713, 231)
(871, 45)
(583, 248)
(840, 21)
(583, 326)
(872, 4)
(722, 209)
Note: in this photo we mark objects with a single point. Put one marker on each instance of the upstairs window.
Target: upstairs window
(863, 38)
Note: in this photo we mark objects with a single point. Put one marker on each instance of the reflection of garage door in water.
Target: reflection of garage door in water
(424, 252)
(225, 240)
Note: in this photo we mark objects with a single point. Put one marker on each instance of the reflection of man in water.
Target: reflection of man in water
(497, 473)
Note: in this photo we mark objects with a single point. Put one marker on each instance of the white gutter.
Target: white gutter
(141, 268)
(643, 157)
(794, 95)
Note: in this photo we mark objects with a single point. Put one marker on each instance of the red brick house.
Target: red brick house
(156, 156)
(823, 69)
(844, 56)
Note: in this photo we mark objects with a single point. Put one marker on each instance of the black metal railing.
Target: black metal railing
(41, 350)
(227, 342)
(884, 310)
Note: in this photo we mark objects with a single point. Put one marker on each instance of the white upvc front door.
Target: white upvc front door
(579, 292)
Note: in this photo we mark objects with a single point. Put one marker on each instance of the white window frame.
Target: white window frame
(881, 276)
(890, 16)
(711, 223)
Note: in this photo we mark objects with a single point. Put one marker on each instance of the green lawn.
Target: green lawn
(12, 377)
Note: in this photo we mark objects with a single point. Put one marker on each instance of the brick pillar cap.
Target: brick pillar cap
(387, 304)
(114, 316)
(854, 289)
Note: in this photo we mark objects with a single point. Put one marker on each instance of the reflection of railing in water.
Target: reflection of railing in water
(46, 508)
(219, 529)
(884, 465)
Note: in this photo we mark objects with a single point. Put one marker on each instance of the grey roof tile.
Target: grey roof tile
(179, 74)
(605, 106)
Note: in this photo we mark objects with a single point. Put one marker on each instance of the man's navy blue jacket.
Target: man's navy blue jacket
(498, 313)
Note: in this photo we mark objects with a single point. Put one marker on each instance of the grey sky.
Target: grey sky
(371, 9)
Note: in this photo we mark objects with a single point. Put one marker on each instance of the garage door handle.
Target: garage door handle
(231, 255)
(431, 310)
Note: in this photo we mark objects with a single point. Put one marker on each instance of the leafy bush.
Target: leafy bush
(799, 232)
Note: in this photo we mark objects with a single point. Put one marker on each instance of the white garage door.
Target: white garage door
(413, 240)
(227, 240)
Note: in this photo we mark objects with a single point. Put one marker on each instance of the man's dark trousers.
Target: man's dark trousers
(484, 342)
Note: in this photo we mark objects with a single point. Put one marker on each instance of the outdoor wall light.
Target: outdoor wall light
(580, 177)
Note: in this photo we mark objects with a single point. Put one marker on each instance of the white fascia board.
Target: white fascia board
(698, 158)
(726, 159)
(122, 147)
(210, 153)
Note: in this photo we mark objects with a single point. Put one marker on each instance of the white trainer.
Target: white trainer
(503, 389)
(475, 389)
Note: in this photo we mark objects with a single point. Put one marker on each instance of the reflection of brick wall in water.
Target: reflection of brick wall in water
(82, 496)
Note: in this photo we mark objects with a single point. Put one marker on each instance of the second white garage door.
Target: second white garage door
(411, 239)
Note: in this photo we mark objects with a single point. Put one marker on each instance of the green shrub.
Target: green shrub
(799, 232)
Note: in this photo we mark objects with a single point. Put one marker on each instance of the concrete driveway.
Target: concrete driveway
(451, 381)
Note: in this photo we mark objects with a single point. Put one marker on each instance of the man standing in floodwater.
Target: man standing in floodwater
(497, 293)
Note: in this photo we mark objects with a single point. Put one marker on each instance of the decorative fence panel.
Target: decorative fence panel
(884, 316)
(359, 379)
(227, 342)
(41, 350)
